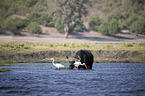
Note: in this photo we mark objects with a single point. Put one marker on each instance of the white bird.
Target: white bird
(77, 63)
(57, 64)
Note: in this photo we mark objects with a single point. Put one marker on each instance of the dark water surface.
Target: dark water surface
(106, 79)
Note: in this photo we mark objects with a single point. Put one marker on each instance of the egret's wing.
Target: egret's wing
(77, 63)
(60, 65)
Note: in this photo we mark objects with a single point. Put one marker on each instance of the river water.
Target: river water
(105, 79)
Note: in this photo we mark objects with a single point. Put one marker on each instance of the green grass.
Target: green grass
(4, 70)
(29, 47)
(15, 47)
(6, 65)
(40, 65)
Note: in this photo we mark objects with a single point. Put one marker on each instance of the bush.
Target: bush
(109, 27)
(59, 26)
(34, 17)
(34, 28)
(119, 18)
(116, 16)
(94, 22)
(138, 27)
(112, 24)
(80, 28)
(41, 19)
(142, 44)
(133, 18)
(14, 25)
(46, 20)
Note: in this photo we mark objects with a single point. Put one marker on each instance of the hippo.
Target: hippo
(84, 56)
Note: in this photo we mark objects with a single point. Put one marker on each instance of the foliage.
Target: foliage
(21, 7)
(109, 27)
(34, 17)
(46, 20)
(134, 18)
(80, 28)
(67, 48)
(133, 6)
(59, 26)
(142, 44)
(128, 45)
(111, 24)
(15, 46)
(61, 68)
(14, 25)
(131, 10)
(34, 28)
(138, 27)
(97, 1)
(116, 16)
(42, 19)
(71, 12)
(43, 6)
(94, 22)
(4, 70)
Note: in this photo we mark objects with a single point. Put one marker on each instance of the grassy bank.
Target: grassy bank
(12, 48)
(4, 70)
(8, 47)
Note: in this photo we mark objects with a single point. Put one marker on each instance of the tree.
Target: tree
(34, 28)
(59, 27)
(14, 25)
(109, 27)
(70, 12)
(94, 22)
(138, 27)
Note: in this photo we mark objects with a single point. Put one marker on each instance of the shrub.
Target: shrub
(109, 27)
(131, 19)
(46, 20)
(14, 25)
(116, 16)
(80, 28)
(34, 17)
(119, 18)
(138, 27)
(59, 26)
(142, 44)
(94, 22)
(128, 45)
(42, 19)
(112, 24)
(34, 28)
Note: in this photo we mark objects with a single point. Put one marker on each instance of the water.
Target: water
(106, 79)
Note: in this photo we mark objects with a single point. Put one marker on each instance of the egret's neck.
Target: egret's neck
(53, 61)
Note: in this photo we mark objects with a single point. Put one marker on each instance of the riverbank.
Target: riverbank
(4, 70)
(34, 52)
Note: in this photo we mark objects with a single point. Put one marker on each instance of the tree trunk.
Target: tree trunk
(66, 30)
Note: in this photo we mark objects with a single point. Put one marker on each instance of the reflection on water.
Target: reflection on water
(104, 79)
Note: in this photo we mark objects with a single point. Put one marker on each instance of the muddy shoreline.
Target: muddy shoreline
(100, 56)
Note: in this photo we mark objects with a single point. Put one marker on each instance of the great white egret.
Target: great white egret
(77, 63)
(57, 64)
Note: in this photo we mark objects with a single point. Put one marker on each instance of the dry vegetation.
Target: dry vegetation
(15, 51)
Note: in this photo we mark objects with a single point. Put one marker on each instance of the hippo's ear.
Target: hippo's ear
(67, 56)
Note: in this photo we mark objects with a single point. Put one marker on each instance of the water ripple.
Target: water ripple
(104, 79)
